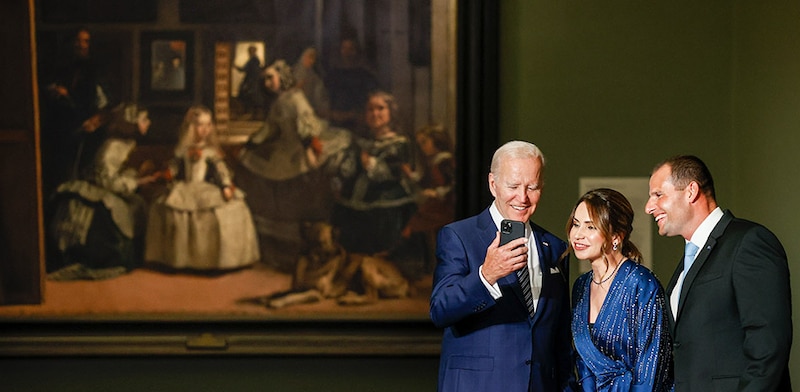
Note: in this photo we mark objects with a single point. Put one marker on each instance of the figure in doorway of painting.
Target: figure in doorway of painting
(75, 111)
(434, 182)
(307, 76)
(202, 223)
(374, 199)
(97, 230)
(349, 81)
(251, 89)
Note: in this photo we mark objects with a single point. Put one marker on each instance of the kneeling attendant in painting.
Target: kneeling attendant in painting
(202, 223)
(619, 320)
(98, 226)
(97, 230)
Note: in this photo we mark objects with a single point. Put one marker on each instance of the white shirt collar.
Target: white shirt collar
(497, 218)
(700, 235)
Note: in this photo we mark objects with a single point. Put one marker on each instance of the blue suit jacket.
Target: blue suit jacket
(491, 345)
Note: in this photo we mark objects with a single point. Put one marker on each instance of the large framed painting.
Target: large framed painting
(285, 193)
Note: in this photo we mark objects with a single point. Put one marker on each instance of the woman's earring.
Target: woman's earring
(615, 245)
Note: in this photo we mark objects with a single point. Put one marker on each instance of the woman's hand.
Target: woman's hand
(228, 192)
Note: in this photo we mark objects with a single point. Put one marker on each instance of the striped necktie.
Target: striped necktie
(525, 281)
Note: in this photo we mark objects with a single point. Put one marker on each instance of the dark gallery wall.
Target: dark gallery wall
(288, 374)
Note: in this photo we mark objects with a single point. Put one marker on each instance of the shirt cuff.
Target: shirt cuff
(494, 289)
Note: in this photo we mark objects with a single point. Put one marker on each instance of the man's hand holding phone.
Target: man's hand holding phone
(507, 253)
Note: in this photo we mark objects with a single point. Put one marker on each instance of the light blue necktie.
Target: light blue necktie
(688, 256)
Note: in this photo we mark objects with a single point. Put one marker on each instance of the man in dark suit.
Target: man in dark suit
(730, 303)
(493, 338)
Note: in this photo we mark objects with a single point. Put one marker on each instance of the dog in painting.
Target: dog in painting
(326, 270)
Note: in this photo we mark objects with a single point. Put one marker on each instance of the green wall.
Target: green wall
(766, 128)
(607, 89)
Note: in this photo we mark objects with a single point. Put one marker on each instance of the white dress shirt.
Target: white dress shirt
(699, 238)
(534, 268)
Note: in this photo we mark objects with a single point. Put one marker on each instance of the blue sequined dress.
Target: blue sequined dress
(628, 348)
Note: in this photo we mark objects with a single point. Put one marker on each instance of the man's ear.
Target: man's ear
(693, 191)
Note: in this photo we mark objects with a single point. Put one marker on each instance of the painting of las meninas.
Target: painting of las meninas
(303, 178)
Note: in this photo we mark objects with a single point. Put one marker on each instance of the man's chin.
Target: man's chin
(520, 217)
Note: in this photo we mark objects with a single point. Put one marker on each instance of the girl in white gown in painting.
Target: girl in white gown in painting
(203, 222)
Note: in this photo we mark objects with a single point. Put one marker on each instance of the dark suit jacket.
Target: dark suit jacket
(493, 345)
(734, 329)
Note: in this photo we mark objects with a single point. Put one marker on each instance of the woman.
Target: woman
(97, 231)
(619, 320)
(280, 170)
(374, 195)
(309, 79)
(202, 223)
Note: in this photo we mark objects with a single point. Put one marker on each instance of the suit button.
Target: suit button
(528, 362)
(676, 345)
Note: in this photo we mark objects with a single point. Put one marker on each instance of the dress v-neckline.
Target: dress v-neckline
(612, 286)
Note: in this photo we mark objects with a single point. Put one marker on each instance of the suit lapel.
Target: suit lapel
(670, 288)
(700, 259)
(546, 258)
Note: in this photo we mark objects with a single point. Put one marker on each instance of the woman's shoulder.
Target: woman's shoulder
(392, 140)
(636, 267)
(443, 157)
(640, 274)
(579, 287)
(291, 102)
(582, 278)
(293, 95)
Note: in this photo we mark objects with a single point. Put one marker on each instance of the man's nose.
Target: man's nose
(649, 207)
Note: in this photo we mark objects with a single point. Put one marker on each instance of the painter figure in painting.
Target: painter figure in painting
(202, 223)
(75, 110)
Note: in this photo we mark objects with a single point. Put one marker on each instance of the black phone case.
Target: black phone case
(511, 230)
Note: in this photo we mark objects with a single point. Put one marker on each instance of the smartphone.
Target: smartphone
(511, 230)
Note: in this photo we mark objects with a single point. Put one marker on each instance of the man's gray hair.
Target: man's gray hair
(515, 149)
